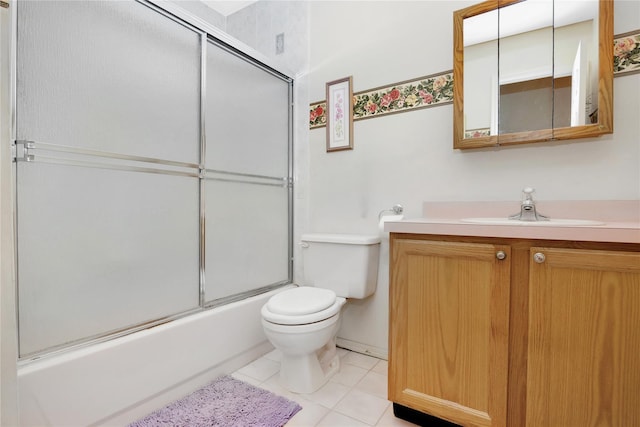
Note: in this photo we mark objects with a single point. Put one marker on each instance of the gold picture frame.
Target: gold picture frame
(340, 114)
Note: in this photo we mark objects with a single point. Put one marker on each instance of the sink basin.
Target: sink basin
(550, 223)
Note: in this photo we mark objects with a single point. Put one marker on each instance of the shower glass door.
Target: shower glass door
(127, 213)
(247, 186)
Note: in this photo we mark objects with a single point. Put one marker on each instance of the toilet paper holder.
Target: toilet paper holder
(396, 209)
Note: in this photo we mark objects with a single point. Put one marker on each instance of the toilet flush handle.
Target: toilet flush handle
(303, 245)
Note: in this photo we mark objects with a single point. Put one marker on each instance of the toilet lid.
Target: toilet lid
(302, 300)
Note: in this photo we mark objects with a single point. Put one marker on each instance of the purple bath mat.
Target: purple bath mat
(225, 402)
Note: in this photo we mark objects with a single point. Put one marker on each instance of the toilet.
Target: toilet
(303, 322)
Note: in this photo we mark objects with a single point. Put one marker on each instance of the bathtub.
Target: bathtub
(119, 381)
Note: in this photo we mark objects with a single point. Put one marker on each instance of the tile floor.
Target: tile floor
(356, 396)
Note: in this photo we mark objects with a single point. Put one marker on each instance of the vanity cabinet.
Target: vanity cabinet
(511, 332)
(449, 329)
(583, 361)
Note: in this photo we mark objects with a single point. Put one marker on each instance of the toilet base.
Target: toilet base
(307, 373)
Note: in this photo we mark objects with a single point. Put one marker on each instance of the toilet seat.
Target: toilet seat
(302, 305)
(301, 300)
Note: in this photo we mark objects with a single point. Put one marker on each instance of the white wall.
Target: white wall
(408, 158)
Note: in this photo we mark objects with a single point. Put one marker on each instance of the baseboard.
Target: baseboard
(380, 353)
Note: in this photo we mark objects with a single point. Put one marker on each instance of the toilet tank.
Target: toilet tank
(345, 263)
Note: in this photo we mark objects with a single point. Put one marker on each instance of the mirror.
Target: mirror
(532, 70)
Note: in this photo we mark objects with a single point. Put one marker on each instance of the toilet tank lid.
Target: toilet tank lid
(347, 239)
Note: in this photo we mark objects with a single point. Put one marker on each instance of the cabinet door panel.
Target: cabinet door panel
(449, 330)
(584, 336)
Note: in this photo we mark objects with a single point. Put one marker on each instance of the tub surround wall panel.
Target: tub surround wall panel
(407, 158)
(258, 24)
(204, 12)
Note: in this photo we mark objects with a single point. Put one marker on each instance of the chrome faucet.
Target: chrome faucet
(528, 208)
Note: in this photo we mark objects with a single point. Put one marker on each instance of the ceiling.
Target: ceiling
(227, 7)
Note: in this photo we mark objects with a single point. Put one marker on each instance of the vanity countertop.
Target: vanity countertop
(621, 221)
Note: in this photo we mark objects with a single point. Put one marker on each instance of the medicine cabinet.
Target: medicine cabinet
(531, 71)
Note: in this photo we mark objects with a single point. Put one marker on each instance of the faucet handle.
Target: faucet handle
(527, 193)
(528, 210)
(397, 209)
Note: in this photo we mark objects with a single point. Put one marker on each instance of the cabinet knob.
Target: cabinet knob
(501, 255)
(539, 257)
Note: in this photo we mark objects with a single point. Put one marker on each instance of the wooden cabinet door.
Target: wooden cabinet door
(449, 314)
(583, 365)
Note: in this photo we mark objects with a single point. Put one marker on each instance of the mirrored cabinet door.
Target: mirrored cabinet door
(530, 71)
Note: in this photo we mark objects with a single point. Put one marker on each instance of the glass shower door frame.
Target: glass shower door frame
(27, 151)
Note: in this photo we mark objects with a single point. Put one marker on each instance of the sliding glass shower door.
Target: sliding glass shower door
(247, 175)
(153, 175)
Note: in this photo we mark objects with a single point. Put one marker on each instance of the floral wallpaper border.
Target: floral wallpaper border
(437, 89)
(477, 133)
(423, 92)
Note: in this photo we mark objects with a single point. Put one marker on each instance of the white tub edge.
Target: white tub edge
(116, 382)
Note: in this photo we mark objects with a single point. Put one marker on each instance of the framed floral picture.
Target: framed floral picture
(626, 53)
(340, 114)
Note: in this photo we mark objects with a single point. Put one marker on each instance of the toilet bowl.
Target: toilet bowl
(303, 322)
(306, 340)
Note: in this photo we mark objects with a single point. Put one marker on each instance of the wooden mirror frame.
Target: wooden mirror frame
(605, 85)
